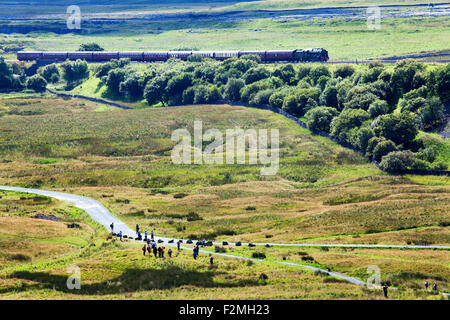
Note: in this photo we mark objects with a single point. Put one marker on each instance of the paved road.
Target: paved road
(104, 217)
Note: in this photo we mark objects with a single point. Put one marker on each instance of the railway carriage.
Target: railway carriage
(223, 55)
(54, 55)
(182, 55)
(82, 55)
(29, 55)
(300, 55)
(104, 55)
(132, 55)
(279, 55)
(156, 56)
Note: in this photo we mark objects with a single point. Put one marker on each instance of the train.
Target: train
(297, 55)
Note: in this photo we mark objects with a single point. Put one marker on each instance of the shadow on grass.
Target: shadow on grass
(131, 280)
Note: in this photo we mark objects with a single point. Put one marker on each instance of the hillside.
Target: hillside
(322, 192)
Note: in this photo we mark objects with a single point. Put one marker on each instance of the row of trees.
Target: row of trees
(376, 109)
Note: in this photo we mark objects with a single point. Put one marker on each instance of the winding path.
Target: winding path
(104, 217)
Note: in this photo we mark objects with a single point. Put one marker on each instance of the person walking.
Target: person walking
(385, 290)
(194, 252)
(112, 227)
(435, 287)
(144, 249)
(170, 253)
(426, 285)
(211, 260)
(178, 245)
(120, 235)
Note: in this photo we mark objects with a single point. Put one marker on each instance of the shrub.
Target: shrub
(188, 95)
(90, 47)
(255, 74)
(347, 120)
(443, 82)
(193, 216)
(74, 70)
(318, 71)
(277, 98)
(320, 118)
(285, 73)
(397, 161)
(401, 128)
(383, 148)
(303, 71)
(233, 88)
(262, 97)
(378, 108)
(344, 71)
(258, 255)
(329, 97)
(114, 78)
(50, 73)
(36, 83)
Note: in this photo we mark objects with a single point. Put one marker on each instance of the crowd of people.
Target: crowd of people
(150, 245)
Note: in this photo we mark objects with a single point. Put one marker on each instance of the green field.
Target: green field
(322, 193)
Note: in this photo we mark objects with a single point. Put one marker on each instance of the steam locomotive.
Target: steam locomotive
(298, 55)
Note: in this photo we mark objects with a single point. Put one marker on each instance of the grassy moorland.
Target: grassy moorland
(344, 39)
(322, 193)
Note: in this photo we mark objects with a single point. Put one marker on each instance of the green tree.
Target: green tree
(320, 118)
(382, 149)
(397, 161)
(37, 83)
(90, 47)
(255, 74)
(401, 128)
(347, 120)
(6, 74)
(233, 89)
(50, 73)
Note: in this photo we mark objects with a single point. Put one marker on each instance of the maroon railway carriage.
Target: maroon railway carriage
(279, 55)
(156, 56)
(104, 55)
(82, 55)
(132, 55)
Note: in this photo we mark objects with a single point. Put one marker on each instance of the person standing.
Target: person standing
(211, 260)
(170, 253)
(178, 245)
(155, 251)
(112, 227)
(120, 235)
(144, 249)
(385, 290)
(149, 249)
(152, 235)
(435, 287)
(145, 236)
(159, 252)
(137, 228)
(426, 285)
